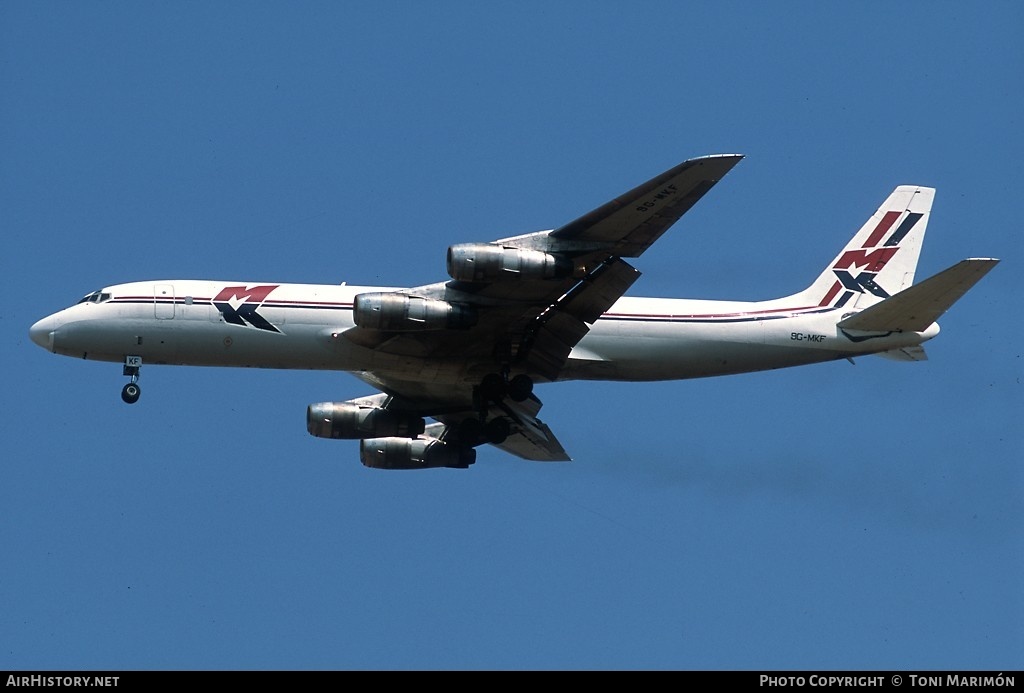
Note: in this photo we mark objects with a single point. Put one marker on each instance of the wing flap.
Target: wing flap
(540, 448)
(531, 438)
(555, 332)
(592, 297)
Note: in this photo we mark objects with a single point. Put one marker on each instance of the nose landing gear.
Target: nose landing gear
(131, 392)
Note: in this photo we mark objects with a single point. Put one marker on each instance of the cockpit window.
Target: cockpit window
(95, 297)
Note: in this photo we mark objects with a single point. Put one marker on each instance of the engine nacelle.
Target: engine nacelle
(394, 312)
(486, 262)
(403, 453)
(347, 420)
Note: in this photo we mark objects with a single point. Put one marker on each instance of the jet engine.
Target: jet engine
(486, 262)
(421, 453)
(394, 312)
(348, 420)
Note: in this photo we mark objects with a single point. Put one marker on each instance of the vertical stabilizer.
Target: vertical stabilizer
(881, 259)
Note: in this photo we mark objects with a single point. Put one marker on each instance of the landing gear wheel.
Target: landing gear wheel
(492, 387)
(497, 430)
(470, 431)
(130, 393)
(520, 387)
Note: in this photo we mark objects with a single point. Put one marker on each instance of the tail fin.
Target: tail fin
(881, 259)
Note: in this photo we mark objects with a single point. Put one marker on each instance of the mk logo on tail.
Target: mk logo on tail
(870, 259)
(244, 314)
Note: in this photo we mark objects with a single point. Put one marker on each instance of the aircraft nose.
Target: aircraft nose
(42, 332)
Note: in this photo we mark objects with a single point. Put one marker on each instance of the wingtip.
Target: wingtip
(721, 163)
(718, 163)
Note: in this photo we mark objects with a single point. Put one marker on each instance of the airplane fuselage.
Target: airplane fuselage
(466, 352)
(301, 326)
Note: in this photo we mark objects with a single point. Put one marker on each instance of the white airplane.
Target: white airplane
(536, 308)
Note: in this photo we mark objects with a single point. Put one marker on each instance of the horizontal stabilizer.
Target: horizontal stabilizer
(917, 307)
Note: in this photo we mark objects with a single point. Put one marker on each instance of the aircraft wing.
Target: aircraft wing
(528, 319)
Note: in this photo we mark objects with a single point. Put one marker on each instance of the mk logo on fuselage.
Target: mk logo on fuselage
(244, 313)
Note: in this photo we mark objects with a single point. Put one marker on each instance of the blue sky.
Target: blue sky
(837, 516)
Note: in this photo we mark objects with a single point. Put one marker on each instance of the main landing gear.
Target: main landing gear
(495, 387)
(492, 390)
(131, 392)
